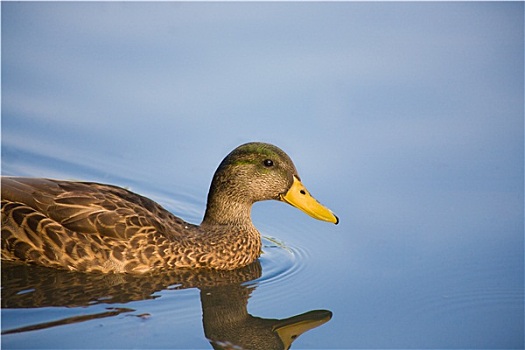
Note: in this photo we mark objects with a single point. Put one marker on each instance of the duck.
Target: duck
(94, 227)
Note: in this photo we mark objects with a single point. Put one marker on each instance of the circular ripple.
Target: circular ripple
(279, 261)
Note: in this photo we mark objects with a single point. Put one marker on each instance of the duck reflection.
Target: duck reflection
(224, 299)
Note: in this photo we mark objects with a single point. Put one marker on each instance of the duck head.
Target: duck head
(255, 172)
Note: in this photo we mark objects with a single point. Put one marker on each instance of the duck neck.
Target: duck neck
(221, 211)
(231, 236)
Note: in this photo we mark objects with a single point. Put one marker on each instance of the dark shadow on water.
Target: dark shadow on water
(223, 294)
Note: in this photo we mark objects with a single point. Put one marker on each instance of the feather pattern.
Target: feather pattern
(93, 227)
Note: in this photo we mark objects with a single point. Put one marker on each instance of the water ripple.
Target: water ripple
(280, 261)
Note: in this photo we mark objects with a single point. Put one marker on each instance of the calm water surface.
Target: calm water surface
(404, 118)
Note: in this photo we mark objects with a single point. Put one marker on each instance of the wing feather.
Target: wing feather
(92, 208)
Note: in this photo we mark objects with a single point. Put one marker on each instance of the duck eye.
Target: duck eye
(268, 163)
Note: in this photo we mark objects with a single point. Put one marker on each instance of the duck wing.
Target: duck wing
(92, 208)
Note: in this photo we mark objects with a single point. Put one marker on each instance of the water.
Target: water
(406, 119)
(125, 303)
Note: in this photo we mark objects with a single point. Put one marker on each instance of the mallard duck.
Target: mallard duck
(84, 226)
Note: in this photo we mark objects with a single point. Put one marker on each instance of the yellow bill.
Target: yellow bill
(300, 198)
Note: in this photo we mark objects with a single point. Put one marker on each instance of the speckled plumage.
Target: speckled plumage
(91, 227)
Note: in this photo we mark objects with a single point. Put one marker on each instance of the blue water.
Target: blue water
(406, 119)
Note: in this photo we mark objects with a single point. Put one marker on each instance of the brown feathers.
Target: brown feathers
(92, 227)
